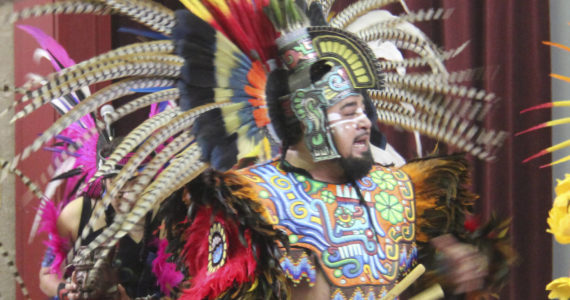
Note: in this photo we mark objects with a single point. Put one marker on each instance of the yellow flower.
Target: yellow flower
(559, 288)
(562, 191)
(559, 222)
(561, 200)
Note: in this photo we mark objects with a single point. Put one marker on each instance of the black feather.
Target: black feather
(68, 174)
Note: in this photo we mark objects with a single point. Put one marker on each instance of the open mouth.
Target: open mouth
(361, 142)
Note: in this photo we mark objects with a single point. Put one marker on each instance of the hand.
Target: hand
(466, 266)
(122, 293)
(69, 290)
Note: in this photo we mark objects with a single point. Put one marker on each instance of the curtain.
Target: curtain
(505, 39)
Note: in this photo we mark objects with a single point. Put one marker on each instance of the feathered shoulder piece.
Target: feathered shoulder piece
(229, 249)
(442, 195)
(444, 204)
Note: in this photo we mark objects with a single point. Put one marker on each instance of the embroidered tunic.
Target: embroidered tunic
(363, 244)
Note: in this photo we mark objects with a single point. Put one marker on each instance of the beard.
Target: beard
(357, 167)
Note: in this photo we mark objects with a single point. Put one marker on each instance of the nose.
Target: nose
(364, 122)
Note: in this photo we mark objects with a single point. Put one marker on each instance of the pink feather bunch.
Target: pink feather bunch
(166, 274)
(58, 244)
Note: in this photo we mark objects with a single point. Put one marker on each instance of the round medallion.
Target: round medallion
(218, 247)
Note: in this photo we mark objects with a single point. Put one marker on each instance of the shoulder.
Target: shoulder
(442, 171)
(68, 220)
(262, 172)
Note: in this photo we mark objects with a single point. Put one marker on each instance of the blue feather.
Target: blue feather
(151, 89)
(146, 33)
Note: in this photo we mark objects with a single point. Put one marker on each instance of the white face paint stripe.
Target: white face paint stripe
(338, 123)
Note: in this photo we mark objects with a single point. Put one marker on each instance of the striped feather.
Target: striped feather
(421, 15)
(421, 61)
(149, 13)
(149, 50)
(180, 172)
(130, 142)
(355, 10)
(140, 207)
(91, 104)
(461, 134)
(9, 261)
(402, 39)
(425, 85)
(135, 138)
(153, 47)
(62, 7)
(62, 86)
(181, 122)
(437, 105)
(134, 105)
(32, 187)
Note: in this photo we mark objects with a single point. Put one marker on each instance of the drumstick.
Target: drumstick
(405, 282)
(432, 293)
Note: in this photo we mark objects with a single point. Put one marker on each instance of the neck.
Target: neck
(327, 170)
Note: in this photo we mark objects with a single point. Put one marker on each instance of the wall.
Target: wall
(7, 214)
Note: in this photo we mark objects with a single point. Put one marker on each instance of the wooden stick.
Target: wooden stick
(432, 293)
(405, 283)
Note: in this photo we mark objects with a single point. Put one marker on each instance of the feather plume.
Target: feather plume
(60, 58)
(56, 243)
(141, 102)
(134, 138)
(355, 10)
(63, 86)
(166, 274)
(251, 270)
(149, 13)
(163, 181)
(181, 122)
(89, 105)
(60, 7)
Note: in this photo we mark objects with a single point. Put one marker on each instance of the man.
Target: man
(351, 223)
(354, 229)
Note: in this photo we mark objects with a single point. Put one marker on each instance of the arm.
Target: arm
(66, 228)
(452, 249)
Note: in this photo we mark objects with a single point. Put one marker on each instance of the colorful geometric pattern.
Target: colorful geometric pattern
(358, 243)
(297, 269)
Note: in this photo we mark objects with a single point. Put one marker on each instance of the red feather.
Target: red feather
(239, 267)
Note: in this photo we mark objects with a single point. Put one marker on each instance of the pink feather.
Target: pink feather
(52, 46)
(56, 243)
(87, 158)
(166, 274)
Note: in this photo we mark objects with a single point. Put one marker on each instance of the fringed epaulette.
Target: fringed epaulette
(442, 197)
(444, 206)
(230, 251)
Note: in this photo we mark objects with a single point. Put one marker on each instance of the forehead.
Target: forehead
(353, 101)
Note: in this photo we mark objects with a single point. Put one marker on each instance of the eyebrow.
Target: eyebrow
(349, 104)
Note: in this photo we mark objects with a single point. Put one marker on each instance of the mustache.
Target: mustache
(365, 135)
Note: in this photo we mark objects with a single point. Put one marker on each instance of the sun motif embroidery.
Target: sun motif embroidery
(385, 181)
(389, 207)
(218, 247)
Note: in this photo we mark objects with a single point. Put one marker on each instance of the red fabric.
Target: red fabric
(505, 38)
(238, 269)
